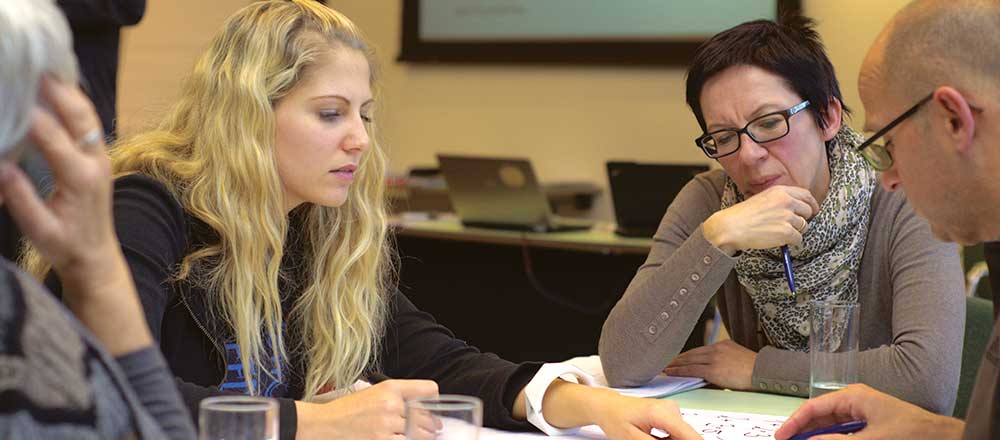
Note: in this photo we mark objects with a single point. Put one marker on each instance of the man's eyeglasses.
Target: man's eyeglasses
(766, 128)
(875, 153)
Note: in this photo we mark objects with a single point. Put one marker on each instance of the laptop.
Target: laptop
(641, 193)
(501, 193)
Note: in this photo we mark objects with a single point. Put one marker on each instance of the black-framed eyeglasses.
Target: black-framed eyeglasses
(765, 128)
(875, 153)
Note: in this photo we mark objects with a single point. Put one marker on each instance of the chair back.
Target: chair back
(978, 326)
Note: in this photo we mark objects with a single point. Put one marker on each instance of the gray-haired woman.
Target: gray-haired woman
(89, 371)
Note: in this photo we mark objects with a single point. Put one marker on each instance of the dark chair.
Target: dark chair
(978, 325)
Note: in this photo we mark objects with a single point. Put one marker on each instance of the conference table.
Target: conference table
(698, 406)
(738, 401)
(600, 239)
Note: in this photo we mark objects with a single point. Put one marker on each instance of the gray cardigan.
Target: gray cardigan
(911, 291)
(58, 383)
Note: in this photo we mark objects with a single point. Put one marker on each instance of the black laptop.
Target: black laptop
(641, 193)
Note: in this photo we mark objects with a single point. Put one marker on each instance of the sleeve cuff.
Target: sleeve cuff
(781, 372)
(534, 392)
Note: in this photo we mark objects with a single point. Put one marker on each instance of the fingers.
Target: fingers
(798, 200)
(688, 371)
(422, 425)
(803, 195)
(668, 418)
(815, 413)
(409, 389)
(793, 237)
(692, 363)
(37, 223)
(61, 152)
(838, 437)
(698, 355)
(801, 209)
(73, 109)
(633, 433)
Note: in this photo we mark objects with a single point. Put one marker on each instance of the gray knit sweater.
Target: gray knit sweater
(910, 290)
(57, 383)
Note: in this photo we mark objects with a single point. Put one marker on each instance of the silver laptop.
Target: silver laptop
(501, 193)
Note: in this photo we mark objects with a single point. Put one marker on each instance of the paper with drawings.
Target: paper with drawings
(712, 425)
(661, 385)
(720, 425)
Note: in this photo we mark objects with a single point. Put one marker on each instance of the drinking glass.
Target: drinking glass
(238, 418)
(444, 417)
(833, 345)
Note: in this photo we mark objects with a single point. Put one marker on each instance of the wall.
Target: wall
(568, 120)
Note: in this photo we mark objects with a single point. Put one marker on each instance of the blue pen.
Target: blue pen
(788, 269)
(840, 428)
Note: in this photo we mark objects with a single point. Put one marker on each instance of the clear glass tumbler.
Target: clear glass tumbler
(238, 418)
(444, 417)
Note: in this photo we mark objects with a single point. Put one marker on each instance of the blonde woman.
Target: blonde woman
(253, 220)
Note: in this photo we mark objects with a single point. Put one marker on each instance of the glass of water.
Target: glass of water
(238, 418)
(444, 417)
(833, 345)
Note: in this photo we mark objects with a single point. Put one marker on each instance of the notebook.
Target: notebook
(501, 193)
(641, 193)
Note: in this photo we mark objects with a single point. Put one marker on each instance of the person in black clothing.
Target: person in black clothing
(254, 222)
(96, 26)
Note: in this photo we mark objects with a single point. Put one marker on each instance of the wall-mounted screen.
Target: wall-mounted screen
(572, 31)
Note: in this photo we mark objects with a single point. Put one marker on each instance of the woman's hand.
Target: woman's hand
(567, 405)
(631, 418)
(73, 229)
(776, 217)
(726, 364)
(377, 412)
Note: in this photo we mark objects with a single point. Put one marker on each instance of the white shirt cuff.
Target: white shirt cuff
(534, 392)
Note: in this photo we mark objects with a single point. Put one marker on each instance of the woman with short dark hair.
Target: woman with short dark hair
(771, 111)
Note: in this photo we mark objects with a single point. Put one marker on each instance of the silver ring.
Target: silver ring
(91, 140)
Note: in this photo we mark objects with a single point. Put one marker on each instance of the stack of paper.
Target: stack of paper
(661, 385)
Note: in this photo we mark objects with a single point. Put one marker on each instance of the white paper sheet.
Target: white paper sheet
(720, 425)
(661, 385)
(712, 425)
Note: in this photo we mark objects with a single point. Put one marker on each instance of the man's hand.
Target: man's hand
(887, 417)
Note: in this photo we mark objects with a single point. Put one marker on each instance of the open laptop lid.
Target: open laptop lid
(497, 192)
(641, 193)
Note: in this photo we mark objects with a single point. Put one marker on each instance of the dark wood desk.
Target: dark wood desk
(524, 296)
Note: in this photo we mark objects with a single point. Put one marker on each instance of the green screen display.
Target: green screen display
(591, 20)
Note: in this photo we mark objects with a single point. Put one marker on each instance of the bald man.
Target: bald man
(930, 86)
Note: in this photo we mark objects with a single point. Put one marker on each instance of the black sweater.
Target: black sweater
(156, 233)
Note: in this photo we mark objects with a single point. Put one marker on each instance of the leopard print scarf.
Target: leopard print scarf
(826, 262)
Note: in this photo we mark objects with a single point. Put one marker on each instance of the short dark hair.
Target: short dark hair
(789, 48)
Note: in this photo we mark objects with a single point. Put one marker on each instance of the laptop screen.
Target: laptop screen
(498, 191)
(641, 192)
